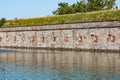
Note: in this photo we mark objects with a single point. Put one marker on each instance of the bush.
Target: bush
(2, 21)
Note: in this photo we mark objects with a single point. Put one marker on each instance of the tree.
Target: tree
(94, 5)
(2, 21)
(64, 8)
(79, 6)
(84, 6)
(109, 4)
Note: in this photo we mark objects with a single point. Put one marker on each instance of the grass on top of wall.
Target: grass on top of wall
(59, 19)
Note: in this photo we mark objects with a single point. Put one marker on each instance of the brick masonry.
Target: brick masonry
(91, 35)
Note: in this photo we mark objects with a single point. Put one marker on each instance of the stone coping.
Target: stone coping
(97, 24)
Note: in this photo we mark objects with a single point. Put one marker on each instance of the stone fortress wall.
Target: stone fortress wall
(84, 35)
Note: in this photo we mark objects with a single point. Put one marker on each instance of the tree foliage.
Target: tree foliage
(64, 8)
(80, 6)
(94, 5)
(2, 21)
(84, 6)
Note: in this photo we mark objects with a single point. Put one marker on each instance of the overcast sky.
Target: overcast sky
(11, 9)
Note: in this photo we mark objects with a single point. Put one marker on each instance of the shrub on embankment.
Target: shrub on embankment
(80, 17)
(2, 22)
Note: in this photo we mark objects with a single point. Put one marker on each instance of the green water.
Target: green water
(24, 64)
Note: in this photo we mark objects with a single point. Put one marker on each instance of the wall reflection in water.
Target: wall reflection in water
(59, 65)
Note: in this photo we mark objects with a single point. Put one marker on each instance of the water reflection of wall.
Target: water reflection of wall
(62, 58)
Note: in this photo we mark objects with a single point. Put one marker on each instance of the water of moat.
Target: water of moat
(21, 64)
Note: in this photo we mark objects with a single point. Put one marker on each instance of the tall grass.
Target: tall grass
(80, 17)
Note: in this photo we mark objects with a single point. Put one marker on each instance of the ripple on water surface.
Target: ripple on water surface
(58, 65)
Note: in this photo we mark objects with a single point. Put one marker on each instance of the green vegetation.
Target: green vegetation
(2, 21)
(81, 17)
(84, 6)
